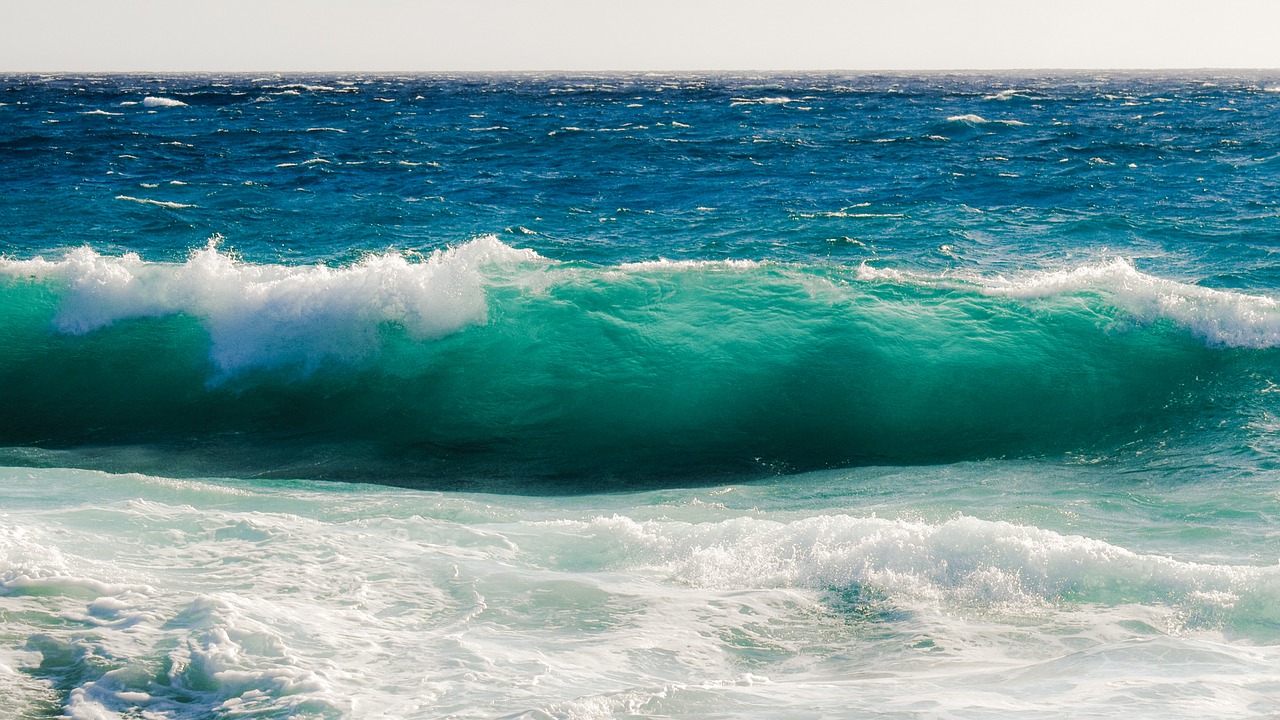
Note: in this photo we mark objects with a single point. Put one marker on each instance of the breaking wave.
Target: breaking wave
(485, 356)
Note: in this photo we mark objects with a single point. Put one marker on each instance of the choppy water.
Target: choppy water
(682, 396)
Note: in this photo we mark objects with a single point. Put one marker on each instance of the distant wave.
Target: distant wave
(156, 102)
(1010, 94)
(971, 119)
(778, 100)
(159, 203)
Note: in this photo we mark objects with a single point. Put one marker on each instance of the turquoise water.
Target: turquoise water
(635, 396)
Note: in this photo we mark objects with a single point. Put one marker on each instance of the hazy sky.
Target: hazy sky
(404, 35)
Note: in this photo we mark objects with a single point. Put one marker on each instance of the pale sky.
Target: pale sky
(580, 35)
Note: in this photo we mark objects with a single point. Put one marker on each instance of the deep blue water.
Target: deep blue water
(1008, 171)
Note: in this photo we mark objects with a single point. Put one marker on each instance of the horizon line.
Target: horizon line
(617, 71)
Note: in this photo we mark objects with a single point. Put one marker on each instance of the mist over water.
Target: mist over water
(635, 396)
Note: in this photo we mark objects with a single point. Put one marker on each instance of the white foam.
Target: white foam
(777, 100)
(963, 564)
(665, 264)
(158, 203)
(838, 214)
(312, 88)
(273, 315)
(972, 119)
(302, 600)
(101, 112)
(1009, 94)
(156, 102)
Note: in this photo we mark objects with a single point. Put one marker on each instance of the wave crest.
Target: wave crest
(1219, 318)
(272, 315)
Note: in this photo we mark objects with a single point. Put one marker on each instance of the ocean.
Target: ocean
(644, 395)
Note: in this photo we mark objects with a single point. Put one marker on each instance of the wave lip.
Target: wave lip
(1220, 318)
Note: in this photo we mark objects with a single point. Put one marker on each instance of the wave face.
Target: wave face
(486, 357)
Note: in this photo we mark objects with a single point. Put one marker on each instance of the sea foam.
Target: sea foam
(963, 565)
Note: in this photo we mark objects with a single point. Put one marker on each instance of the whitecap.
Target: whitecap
(1009, 94)
(156, 102)
(778, 100)
(972, 119)
(159, 203)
